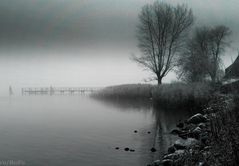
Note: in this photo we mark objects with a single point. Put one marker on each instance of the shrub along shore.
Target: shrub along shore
(166, 95)
(207, 138)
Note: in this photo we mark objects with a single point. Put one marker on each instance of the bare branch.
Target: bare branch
(205, 48)
(161, 34)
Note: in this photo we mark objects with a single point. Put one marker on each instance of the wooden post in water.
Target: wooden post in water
(10, 91)
(51, 90)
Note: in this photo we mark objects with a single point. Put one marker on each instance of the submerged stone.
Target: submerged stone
(153, 150)
(176, 131)
(171, 149)
(180, 125)
(126, 149)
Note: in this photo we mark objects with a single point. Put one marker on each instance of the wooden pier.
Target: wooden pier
(59, 90)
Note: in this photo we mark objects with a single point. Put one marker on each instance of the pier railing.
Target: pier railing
(58, 90)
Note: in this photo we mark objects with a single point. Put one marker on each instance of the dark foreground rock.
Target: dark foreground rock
(193, 136)
(185, 144)
(183, 147)
(174, 156)
(196, 119)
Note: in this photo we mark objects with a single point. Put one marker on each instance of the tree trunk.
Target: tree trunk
(213, 79)
(159, 80)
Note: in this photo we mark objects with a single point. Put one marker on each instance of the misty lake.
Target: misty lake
(77, 130)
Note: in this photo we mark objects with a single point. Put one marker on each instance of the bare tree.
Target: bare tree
(217, 43)
(194, 60)
(202, 56)
(161, 35)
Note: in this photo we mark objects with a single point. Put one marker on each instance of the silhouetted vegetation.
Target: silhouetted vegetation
(128, 91)
(165, 95)
(182, 94)
(223, 142)
(201, 58)
(224, 129)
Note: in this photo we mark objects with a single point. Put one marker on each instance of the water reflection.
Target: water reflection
(128, 104)
(75, 130)
(163, 121)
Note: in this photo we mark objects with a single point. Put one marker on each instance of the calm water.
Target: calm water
(80, 131)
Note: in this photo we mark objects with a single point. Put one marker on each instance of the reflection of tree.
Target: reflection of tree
(160, 138)
(165, 121)
(127, 104)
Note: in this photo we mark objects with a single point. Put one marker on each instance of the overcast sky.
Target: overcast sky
(86, 42)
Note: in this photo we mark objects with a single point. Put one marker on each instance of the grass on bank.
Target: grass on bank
(127, 91)
(170, 95)
(223, 142)
(182, 94)
(224, 137)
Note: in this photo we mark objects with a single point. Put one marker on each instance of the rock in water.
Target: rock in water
(174, 156)
(183, 144)
(180, 125)
(196, 119)
(171, 149)
(176, 131)
(126, 149)
(204, 137)
(153, 150)
(196, 132)
(167, 162)
(202, 125)
(155, 163)
(179, 146)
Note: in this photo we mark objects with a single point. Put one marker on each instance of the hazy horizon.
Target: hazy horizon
(86, 43)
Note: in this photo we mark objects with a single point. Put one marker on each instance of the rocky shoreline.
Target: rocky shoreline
(194, 144)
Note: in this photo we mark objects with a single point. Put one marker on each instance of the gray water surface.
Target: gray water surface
(81, 131)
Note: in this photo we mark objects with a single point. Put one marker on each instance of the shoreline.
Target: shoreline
(197, 144)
